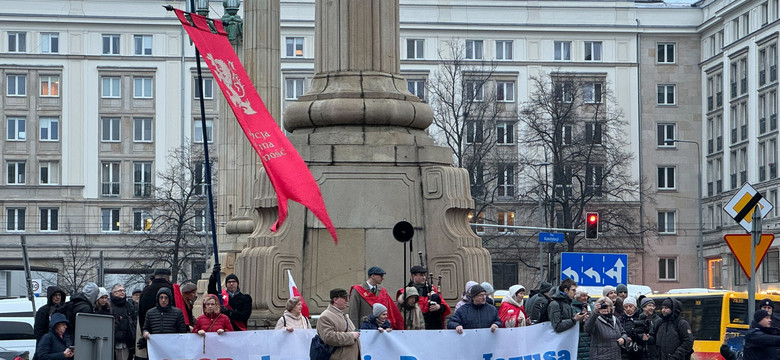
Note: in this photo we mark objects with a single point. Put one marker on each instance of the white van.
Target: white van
(16, 324)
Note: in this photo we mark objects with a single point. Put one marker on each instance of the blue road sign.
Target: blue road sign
(550, 237)
(589, 269)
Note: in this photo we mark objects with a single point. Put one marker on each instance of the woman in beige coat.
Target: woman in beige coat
(335, 328)
(292, 318)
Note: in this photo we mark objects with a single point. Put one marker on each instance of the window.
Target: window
(111, 129)
(739, 276)
(764, 13)
(142, 179)
(142, 129)
(50, 86)
(50, 43)
(667, 269)
(666, 135)
(505, 133)
(506, 180)
(208, 88)
(49, 172)
(294, 46)
(142, 88)
(15, 219)
(592, 92)
(503, 49)
(417, 88)
(142, 220)
(200, 178)
(17, 42)
(49, 219)
(50, 129)
(564, 91)
(143, 45)
(563, 50)
(198, 131)
(293, 89)
(666, 94)
(666, 53)
(111, 88)
(506, 218)
(474, 131)
(593, 133)
(16, 129)
(16, 85)
(109, 220)
(505, 91)
(415, 48)
(474, 49)
(109, 179)
(201, 219)
(16, 172)
(479, 219)
(110, 44)
(593, 51)
(772, 266)
(565, 135)
(594, 176)
(666, 223)
(666, 178)
(475, 91)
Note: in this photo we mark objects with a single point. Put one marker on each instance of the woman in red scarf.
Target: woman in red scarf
(512, 310)
(212, 320)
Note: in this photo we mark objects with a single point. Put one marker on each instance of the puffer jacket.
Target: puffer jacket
(672, 336)
(762, 344)
(472, 316)
(369, 323)
(583, 345)
(560, 312)
(604, 335)
(165, 320)
(52, 346)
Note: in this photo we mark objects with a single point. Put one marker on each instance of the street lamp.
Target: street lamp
(701, 236)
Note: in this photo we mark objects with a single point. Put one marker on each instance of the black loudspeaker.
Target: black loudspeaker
(403, 231)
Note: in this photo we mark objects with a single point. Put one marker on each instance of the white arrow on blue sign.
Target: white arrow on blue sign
(589, 269)
(550, 237)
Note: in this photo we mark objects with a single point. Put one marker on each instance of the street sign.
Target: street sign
(550, 237)
(741, 206)
(740, 247)
(36, 287)
(589, 269)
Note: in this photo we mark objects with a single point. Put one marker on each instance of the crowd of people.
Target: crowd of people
(616, 326)
(159, 308)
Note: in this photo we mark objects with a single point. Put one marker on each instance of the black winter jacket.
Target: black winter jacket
(672, 336)
(369, 323)
(165, 320)
(635, 350)
(52, 346)
(78, 304)
(240, 303)
(148, 298)
(762, 344)
(124, 321)
(560, 312)
(43, 314)
(472, 316)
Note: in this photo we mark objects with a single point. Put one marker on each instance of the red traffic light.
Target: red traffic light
(591, 225)
(593, 218)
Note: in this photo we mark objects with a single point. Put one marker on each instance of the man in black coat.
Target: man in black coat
(763, 341)
(80, 302)
(538, 304)
(164, 318)
(149, 295)
(475, 315)
(672, 336)
(235, 304)
(769, 306)
(124, 323)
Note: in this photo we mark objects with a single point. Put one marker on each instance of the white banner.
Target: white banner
(538, 342)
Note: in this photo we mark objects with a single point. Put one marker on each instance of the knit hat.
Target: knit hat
(607, 289)
(667, 303)
(379, 309)
(231, 277)
(766, 302)
(514, 289)
(621, 288)
(545, 287)
(102, 292)
(137, 291)
(646, 301)
(760, 315)
(488, 288)
(476, 290)
(629, 300)
(337, 293)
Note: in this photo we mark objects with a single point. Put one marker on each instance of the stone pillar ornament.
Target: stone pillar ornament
(234, 25)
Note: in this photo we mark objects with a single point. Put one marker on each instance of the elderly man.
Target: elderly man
(362, 298)
(189, 293)
(475, 315)
(335, 329)
(235, 304)
(124, 322)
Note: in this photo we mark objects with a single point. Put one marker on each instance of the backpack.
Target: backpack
(319, 350)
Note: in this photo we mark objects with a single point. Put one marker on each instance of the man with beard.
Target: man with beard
(672, 337)
(124, 323)
(432, 305)
(235, 304)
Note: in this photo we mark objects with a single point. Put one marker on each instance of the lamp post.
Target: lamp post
(701, 236)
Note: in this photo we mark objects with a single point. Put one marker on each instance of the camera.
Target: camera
(604, 306)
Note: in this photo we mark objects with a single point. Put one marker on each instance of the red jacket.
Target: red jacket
(204, 323)
(505, 314)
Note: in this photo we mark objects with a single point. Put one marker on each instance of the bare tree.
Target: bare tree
(177, 226)
(573, 125)
(78, 264)
(475, 116)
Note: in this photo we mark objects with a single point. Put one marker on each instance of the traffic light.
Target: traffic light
(591, 226)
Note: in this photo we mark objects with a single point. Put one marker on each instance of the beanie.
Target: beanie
(607, 289)
(629, 300)
(476, 290)
(102, 292)
(379, 309)
(646, 301)
(621, 288)
(488, 288)
(667, 302)
(545, 287)
(231, 277)
(760, 315)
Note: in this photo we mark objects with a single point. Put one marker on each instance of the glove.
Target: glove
(217, 268)
(141, 343)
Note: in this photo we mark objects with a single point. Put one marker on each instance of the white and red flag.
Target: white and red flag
(295, 292)
(289, 175)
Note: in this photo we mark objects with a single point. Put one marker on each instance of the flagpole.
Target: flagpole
(208, 162)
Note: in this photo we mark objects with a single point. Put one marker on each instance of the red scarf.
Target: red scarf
(393, 314)
(226, 303)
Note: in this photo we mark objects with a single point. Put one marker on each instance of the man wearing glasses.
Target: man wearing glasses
(475, 315)
(124, 323)
(560, 311)
(335, 329)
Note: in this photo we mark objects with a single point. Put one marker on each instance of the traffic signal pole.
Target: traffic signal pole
(755, 240)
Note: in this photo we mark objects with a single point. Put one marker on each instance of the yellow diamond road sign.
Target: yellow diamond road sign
(742, 205)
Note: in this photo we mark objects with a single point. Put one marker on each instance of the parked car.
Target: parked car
(6, 354)
(16, 327)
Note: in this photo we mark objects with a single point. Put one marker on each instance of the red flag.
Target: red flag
(288, 173)
(178, 300)
(295, 292)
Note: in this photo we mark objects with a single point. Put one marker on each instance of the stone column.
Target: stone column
(362, 134)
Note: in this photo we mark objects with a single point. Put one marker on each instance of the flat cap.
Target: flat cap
(337, 293)
(376, 270)
(417, 269)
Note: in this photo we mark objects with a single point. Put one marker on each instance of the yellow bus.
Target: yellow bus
(712, 315)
